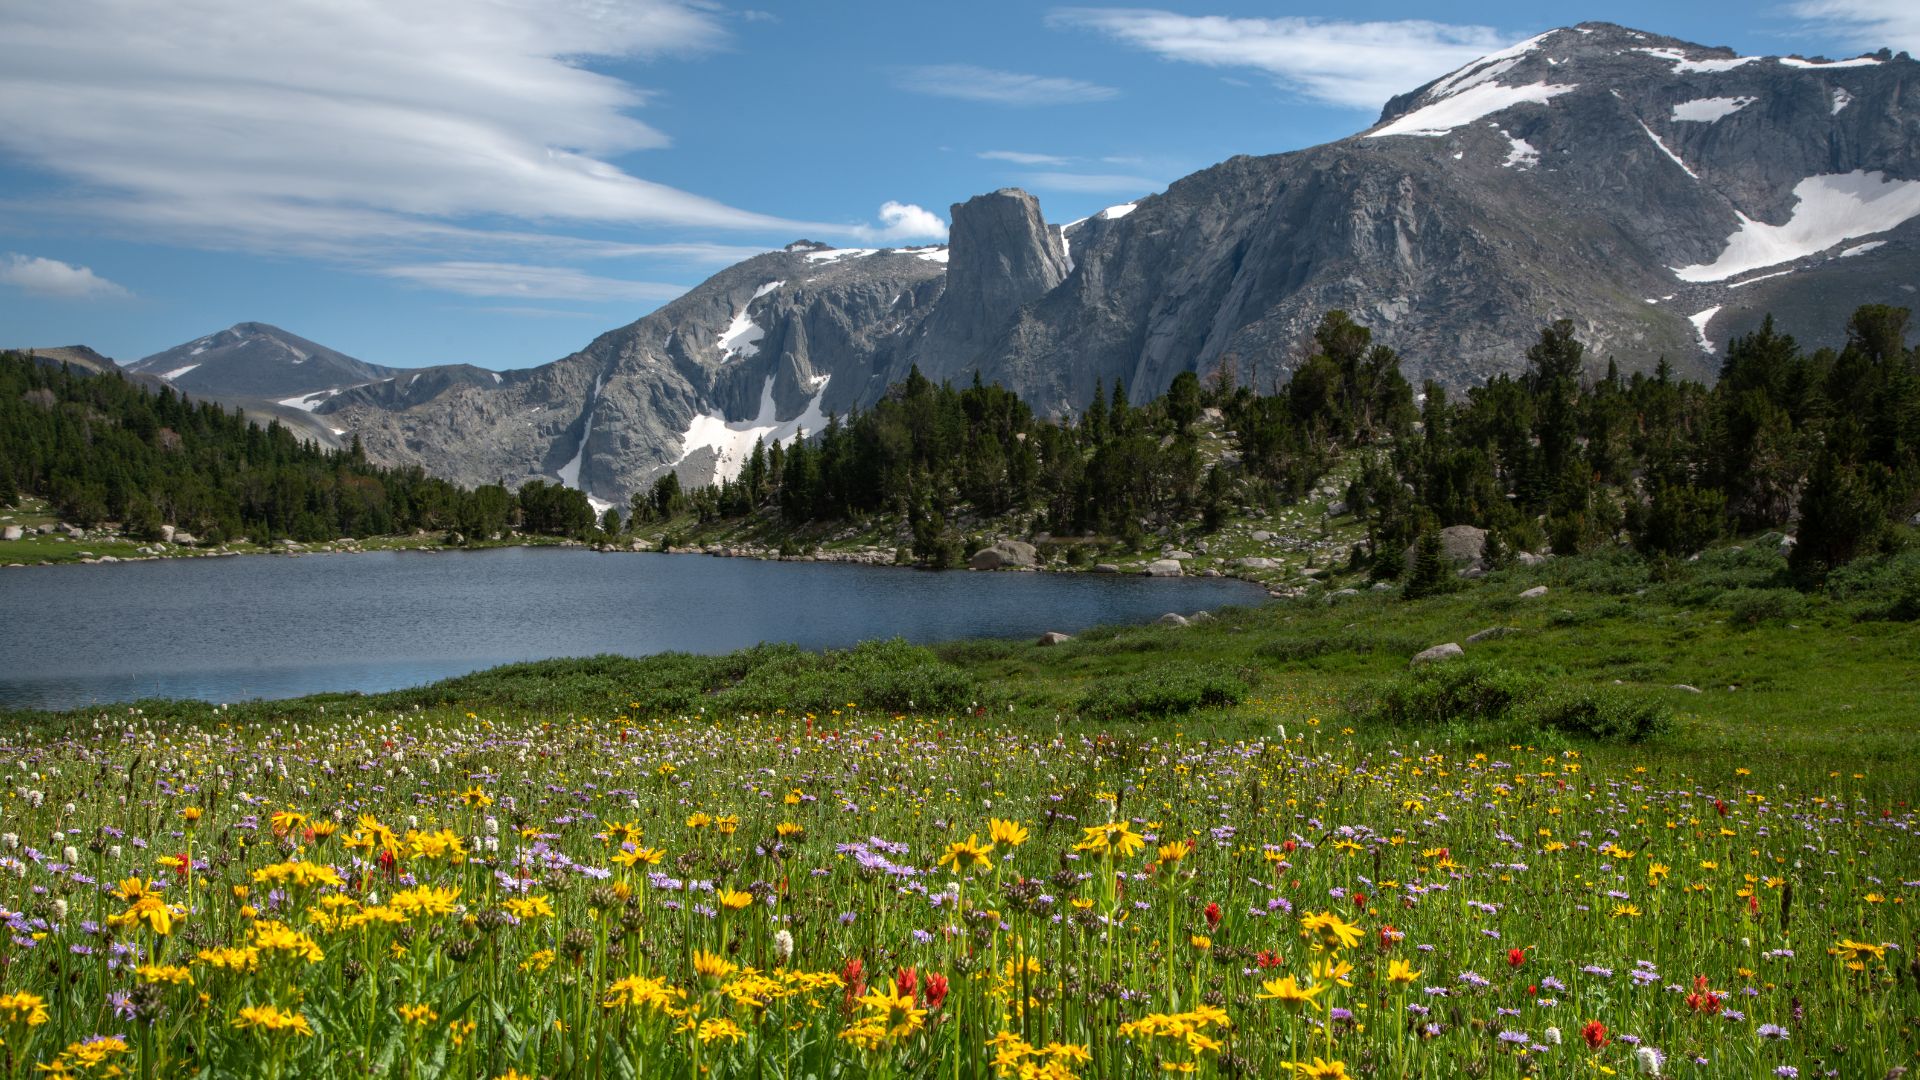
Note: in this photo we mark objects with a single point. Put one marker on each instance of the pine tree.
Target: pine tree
(1429, 575)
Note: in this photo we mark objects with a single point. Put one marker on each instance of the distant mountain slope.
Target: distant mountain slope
(1660, 194)
(79, 356)
(255, 360)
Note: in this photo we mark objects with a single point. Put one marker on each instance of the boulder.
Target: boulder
(1171, 619)
(166, 533)
(1054, 637)
(1200, 617)
(13, 532)
(1490, 633)
(1163, 568)
(1449, 651)
(1337, 507)
(1528, 558)
(1462, 544)
(1105, 568)
(1787, 544)
(1534, 593)
(1182, 556)
(1003, 554)
(1257, 563)
(1686, 688)
(184, 539)
(1261, 536)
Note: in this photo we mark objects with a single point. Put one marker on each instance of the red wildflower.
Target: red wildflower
(905, 980)
(1267, 958)
(1703, 1000)
(1289, 846)
(1595, 1033)
(936, 990)
(1359, 899)
(1213, 916)
(1388, 935)
(1516, 957)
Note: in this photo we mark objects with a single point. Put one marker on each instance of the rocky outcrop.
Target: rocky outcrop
(1002, 256)
(1450, 651)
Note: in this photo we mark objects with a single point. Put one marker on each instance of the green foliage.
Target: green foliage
(1753, 607)
(1430, 574)
(1443, 693)
(1880, 587)
(1602, 714)
(1468, 693)
(1161, 691)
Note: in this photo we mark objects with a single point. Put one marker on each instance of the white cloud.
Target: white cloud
(903, 221)
(1355, 64)
(51, 277)
(314, 125)
(1091, 183)
(1019, 158)
(1869, 24)
(970, 83)
(526, 282)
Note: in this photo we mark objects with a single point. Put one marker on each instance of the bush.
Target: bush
(1880, 587)
(1606, 715)
(1442, 693)
(1162, 691)
(1756, 607)
(1469, 693)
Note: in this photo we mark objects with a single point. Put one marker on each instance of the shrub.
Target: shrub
(1607, 715)
(1880, 587)
(1755, 607)
(1442, 694)
(1162, 691)
(1468, 693)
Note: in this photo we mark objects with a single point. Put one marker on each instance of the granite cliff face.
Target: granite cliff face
(1662, 195)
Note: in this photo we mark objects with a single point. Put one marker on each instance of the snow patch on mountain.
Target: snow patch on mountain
(1707, 110)
(1683, 65)
(179, 371)
(1700, 322)
(1467, 106)
(837, 254)
(732, 440)
(310, 402)
(1520, 153)
(570, 472)
(1830, 209)
(1675, 158)
(1486, 68)
(1115, 213)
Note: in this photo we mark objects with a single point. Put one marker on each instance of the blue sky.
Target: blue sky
(498, 181)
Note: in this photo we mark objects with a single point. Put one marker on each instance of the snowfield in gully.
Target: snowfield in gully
(853, 894)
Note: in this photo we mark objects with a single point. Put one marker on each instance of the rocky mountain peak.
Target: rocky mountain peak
(1002, 255)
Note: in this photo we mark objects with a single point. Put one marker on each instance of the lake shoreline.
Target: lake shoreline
(866, 556)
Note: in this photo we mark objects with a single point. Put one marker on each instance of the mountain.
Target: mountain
(1660, 194)
(252, 360)
(79, 357)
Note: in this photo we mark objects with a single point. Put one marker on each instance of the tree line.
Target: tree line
(101, 448)
(1562, 457)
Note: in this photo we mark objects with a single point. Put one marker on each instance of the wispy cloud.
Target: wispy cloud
(970, 83)
(1019, 158)
(1869, 24)
(521, 281)
(53, 278)
(1091, 183)
(270, 125)
(1354, 64)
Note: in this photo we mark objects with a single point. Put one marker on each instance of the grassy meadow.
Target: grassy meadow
(1659, 823)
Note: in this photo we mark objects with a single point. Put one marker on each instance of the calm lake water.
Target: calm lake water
(268, 627)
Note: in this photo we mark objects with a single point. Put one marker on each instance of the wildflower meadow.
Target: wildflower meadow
(858, 893)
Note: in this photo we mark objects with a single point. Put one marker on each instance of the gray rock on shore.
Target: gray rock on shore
(1004, 554)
